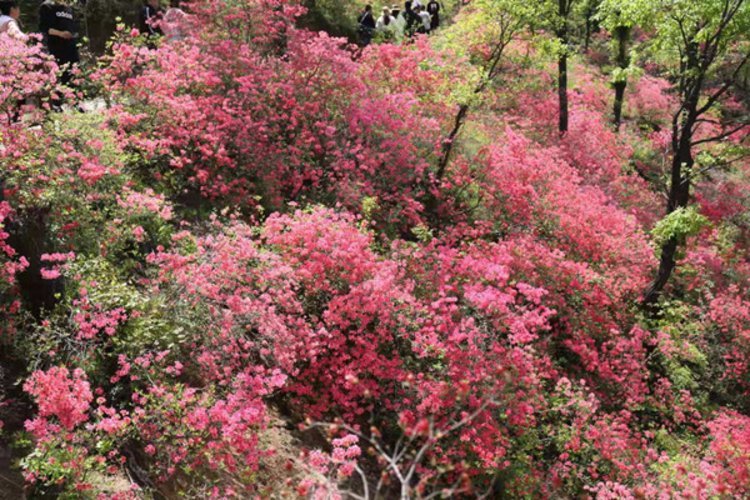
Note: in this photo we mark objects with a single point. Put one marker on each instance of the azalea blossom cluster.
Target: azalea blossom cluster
(26, 71)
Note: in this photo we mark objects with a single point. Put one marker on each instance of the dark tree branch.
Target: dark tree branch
(721, 136)
(507, 32)
(712, 99)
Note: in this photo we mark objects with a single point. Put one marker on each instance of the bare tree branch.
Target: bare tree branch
(721, 136)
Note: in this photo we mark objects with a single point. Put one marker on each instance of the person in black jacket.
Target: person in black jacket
(365, 26)
(150, 17)
(433, 9)
(413, 22)
(59, 28)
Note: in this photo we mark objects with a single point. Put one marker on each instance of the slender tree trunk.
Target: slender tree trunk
(619, 100)
(587, 39)
(30, 238)
(447, 147)
(562, 66)
(589, 25)
(679, 195)
(562, 91)
(431, 202)
(682, 164)
(463, 109)
(623, 61)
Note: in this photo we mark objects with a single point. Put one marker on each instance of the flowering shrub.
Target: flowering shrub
(269, 129)
(730, 453)
(650, 99)
(58, 395)
(12, 264)
(26, 71)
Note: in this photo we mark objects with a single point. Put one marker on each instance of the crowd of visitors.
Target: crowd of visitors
(59, 27)
(60, 33)
(395, 24)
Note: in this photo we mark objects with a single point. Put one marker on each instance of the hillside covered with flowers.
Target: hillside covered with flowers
(506, 260)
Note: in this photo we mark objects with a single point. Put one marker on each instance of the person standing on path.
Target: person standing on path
(424, 17)
(365, 26)
(433, 9)
(385, 25)
(59, 28)
(10, 12)
(412, 18)
(399, 23)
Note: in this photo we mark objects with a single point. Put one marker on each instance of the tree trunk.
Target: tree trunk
(447, 146)
(679, 196)
(562, 66)
(683, 126)
(623, 61)
(29, 236)
(562, 91)
(587, 39)
(590, 11)
(619, 100)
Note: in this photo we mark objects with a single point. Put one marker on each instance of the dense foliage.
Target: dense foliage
(279, 265)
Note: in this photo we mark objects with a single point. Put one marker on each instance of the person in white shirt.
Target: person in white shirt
(385, 24)
(399, 23)
(426, 20)
(9, 14)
